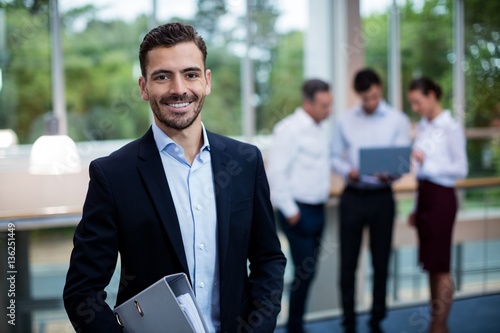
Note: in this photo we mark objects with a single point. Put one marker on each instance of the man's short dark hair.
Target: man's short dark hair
(311, 87)
(168, 35)
(364, 79)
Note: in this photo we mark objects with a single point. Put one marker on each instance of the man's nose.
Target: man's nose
(178, 86)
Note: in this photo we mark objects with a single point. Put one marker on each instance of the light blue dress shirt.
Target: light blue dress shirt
(356, 129)
(194, 198)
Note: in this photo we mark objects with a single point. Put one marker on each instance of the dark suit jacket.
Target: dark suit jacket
(129, 210)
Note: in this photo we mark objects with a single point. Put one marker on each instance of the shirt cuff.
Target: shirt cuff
(289, 210)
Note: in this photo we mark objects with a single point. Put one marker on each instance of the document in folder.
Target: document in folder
(168, 303)
(188, 305)
(393, 161)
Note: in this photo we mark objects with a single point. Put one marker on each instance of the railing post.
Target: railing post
(395, 275)
(458, 266)
(485, 240)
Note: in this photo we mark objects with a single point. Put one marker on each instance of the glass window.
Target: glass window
(25, 91)
(482, 52)
(482, 83)
(424, 26)
(100, 40)
(426, 36)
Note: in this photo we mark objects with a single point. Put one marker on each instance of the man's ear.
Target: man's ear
(307, 104)
(142, 87)
(208, 79)
(432, 94)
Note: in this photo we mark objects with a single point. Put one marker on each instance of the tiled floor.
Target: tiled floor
(479, 314)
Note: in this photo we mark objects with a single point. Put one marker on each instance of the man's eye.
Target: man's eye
(160, 77)
(192, 75)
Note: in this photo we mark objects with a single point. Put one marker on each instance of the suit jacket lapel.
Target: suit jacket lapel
(222, 187)
(151, 170)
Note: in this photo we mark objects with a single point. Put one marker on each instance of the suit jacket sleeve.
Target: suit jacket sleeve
(93, 260)
(267, 262)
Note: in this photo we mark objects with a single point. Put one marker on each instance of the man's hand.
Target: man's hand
(386, 178)
(294, 219)
(418, 156)
(354, 175)
(412, 219)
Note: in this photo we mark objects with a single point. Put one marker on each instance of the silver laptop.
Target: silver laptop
(393, 161)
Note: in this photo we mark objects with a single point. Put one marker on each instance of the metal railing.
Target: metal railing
(476, 264)
(475, 261)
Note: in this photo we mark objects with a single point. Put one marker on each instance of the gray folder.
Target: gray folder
(393, 161)
(156, 308)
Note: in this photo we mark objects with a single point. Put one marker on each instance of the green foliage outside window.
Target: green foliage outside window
(427, 49)
(101, 68)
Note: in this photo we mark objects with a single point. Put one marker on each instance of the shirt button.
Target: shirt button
(198, 207)
(202, 284)
(176, 149)
(202, 246)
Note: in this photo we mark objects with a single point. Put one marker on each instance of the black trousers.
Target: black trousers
(360, 208)
(304, 239)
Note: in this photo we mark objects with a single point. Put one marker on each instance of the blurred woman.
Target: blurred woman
(440, 158)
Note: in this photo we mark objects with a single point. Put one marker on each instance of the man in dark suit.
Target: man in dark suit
(179, 199)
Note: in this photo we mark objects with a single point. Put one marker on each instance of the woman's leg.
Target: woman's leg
(441, 287)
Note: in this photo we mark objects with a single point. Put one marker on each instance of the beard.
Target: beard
(176, 121)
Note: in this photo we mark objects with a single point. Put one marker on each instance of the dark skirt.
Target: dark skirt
(435, 217)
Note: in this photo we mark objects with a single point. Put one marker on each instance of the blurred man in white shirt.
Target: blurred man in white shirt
(299, 177)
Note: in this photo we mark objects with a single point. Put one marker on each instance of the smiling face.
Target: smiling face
(175, 84)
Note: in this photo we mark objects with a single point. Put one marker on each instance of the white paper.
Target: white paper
(187, 305)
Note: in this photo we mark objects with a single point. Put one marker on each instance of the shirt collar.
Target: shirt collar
(379, 111)
(206, 143)
(305, 116)
(163, 140)
(442, 119)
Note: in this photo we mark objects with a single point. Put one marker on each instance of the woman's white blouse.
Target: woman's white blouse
(442, 141)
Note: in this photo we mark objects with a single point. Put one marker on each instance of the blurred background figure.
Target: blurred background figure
(441, 159)
(299, 176)
(366, 200)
